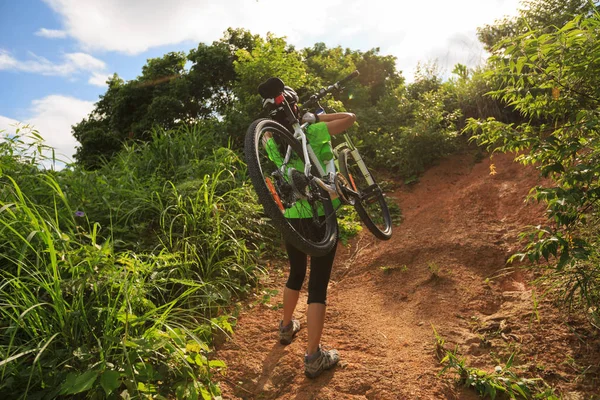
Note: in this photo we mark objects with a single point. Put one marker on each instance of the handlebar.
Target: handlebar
(349, 77)
(325, 91)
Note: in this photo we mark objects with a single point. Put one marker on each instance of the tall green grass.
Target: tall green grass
(112, 282)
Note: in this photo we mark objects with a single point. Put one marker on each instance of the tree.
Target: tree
(164, 95)
(539, 15)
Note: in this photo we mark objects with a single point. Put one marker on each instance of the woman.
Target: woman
(316, 359)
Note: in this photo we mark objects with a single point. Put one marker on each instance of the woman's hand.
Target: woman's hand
(310, 118)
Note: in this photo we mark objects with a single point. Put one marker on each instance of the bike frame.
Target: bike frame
(310, 158)
(330, 169)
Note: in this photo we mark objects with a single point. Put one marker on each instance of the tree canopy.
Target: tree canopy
(218, 82)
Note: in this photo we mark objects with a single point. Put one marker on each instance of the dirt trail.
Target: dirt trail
(441, 268)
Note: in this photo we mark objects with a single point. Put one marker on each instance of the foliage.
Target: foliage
(219, 89)
(166, 94)
(553, 78)
(503, 381)
(270, 57)
(348, 224)
(408, 150)
(539, 15)
(467, 90)
(83, 314)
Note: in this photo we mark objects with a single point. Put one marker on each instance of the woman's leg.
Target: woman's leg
(290, 299)
(315, 320)
(320, 272)
(291, 292)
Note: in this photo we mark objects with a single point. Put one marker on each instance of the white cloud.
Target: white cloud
(51, 33)
(72, 64)
(411, 30)
(52, 116)
(84, 62)
(6, 61)
(99, 79)
(7, 124)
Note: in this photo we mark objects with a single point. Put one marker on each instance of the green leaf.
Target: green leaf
(205, 393)
(517, 388)
(180, 390)
(109, 380)
(79, 383)
(510, 361)
(217, 364)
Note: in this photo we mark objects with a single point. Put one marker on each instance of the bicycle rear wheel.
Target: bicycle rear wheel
(370, 203)
(276, 168)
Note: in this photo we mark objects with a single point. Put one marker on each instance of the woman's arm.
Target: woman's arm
(338, 122)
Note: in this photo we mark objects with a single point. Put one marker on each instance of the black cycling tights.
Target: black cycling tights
(320, 269)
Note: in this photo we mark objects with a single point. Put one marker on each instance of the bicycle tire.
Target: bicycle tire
(370, 203)
(274, 194)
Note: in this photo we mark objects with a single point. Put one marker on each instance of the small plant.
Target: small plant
(491, 384)
(395, 212)
(535, 301)
(348, 223)
(389, 269)
(267, 294)
(411, 180)
(440, 351)
(434, 269)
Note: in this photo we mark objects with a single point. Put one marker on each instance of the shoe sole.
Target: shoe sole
(313, 376)
(316, 374)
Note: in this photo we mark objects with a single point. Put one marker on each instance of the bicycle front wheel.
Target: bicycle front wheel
(276, 167)
(370, 203)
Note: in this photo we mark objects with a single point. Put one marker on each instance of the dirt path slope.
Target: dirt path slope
(441, 268)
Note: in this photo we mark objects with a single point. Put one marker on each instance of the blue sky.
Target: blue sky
(55, 55)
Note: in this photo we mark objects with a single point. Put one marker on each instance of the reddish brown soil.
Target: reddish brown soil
(444, 268)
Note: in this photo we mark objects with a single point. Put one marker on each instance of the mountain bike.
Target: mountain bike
(291, 183)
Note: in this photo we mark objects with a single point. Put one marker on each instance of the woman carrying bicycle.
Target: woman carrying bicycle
(316, 359)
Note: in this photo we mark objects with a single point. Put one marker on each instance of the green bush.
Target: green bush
(115, 280)
(410, 149)
(552, 77)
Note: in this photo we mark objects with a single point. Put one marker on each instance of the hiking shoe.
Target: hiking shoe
(319, 362)
(287, 333)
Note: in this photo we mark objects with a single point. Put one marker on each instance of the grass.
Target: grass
(390, 269)
(114, 282)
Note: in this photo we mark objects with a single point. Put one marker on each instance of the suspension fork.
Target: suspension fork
(359, 161)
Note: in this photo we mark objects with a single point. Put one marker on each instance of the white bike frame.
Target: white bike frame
(311, 159)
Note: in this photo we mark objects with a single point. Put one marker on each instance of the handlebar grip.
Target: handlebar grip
(351, 76)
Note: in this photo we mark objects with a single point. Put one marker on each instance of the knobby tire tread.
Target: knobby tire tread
(362, 213)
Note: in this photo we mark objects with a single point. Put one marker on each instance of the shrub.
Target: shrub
(82, 312)
(551, 78)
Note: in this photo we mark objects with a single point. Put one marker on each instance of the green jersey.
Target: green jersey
(320, 140)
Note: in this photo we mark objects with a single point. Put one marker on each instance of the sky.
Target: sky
(55, 55)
